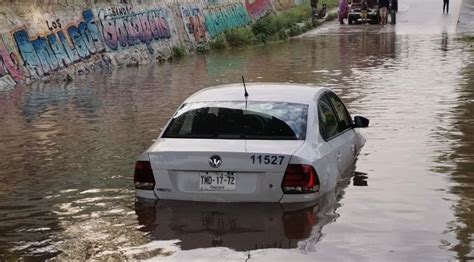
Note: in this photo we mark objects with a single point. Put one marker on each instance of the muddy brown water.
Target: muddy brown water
(67, 153)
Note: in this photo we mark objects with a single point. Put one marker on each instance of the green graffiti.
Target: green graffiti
(221, 18)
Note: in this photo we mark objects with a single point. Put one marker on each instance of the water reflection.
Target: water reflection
(360, 179)
(463, 172)
(444, 42)
(240, 226)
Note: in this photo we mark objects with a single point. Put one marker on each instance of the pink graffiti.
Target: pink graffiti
(257, 8)
(10, 64)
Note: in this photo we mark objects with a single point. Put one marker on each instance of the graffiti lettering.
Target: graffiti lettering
(25, 47)
(45, 54)
(59, 51)
(133, 29)
(54, 25)
(68, 48)
(222, 18)
(193, 21)
(52, 52)
(9, 63)
(92, 32)
(116, 11)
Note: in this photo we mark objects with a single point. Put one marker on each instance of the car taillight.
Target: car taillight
(143, 177)
(300, 179)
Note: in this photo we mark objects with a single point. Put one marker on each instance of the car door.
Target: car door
(328, 128)
(346, 131)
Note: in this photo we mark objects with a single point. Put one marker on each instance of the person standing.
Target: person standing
(395, 5)
(383, 7)
(363, 11)
(446, 6)
(393, 12)
(343, 10)
(314, 8)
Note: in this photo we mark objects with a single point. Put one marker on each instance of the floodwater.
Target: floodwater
(67, 155)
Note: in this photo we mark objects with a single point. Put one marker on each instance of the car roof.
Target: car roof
(278, 92)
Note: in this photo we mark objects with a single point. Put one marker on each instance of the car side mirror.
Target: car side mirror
(360, 121)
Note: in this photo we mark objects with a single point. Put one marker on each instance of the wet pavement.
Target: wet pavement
(67, 153)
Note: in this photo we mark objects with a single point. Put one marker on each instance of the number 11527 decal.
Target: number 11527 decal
(267, 159)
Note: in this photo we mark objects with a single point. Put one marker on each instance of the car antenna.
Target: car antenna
(245, 88)
(246, 95)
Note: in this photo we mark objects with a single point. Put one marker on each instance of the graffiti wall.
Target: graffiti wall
(224, 17)
(193, 20)
(65, 44)
(121, 30)
(10, 64)
(258, 8)
(52, 40)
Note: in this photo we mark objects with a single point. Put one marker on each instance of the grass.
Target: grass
(202, 48)
(220, 42)
(178, 51)
(273, 27)
(281, 25)
(467, 38)
(295, 30)
(239, 36)
(330, 3)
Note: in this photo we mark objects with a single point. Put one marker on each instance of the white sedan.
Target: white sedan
(281, 143)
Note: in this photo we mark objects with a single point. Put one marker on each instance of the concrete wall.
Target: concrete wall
(466, 18)
(44, 39)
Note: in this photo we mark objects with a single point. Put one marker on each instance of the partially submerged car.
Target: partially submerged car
(282, 143)
(355, 12)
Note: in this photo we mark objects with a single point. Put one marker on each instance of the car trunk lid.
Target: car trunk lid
(257, 167)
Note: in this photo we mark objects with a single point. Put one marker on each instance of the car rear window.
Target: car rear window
(239, 120)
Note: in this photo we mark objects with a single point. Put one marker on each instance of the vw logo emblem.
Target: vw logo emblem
(215, 161)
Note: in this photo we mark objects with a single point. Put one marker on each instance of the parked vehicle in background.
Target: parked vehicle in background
(355, 12)
(281, 143)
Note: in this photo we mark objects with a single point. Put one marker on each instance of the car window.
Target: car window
(341, 111)
(327, 119)
(237, 120)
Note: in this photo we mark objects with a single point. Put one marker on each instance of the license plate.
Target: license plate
(217, 181)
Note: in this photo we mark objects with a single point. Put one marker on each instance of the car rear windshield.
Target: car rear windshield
(239, 120)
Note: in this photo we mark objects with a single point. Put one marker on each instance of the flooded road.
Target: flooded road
(67, 154)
